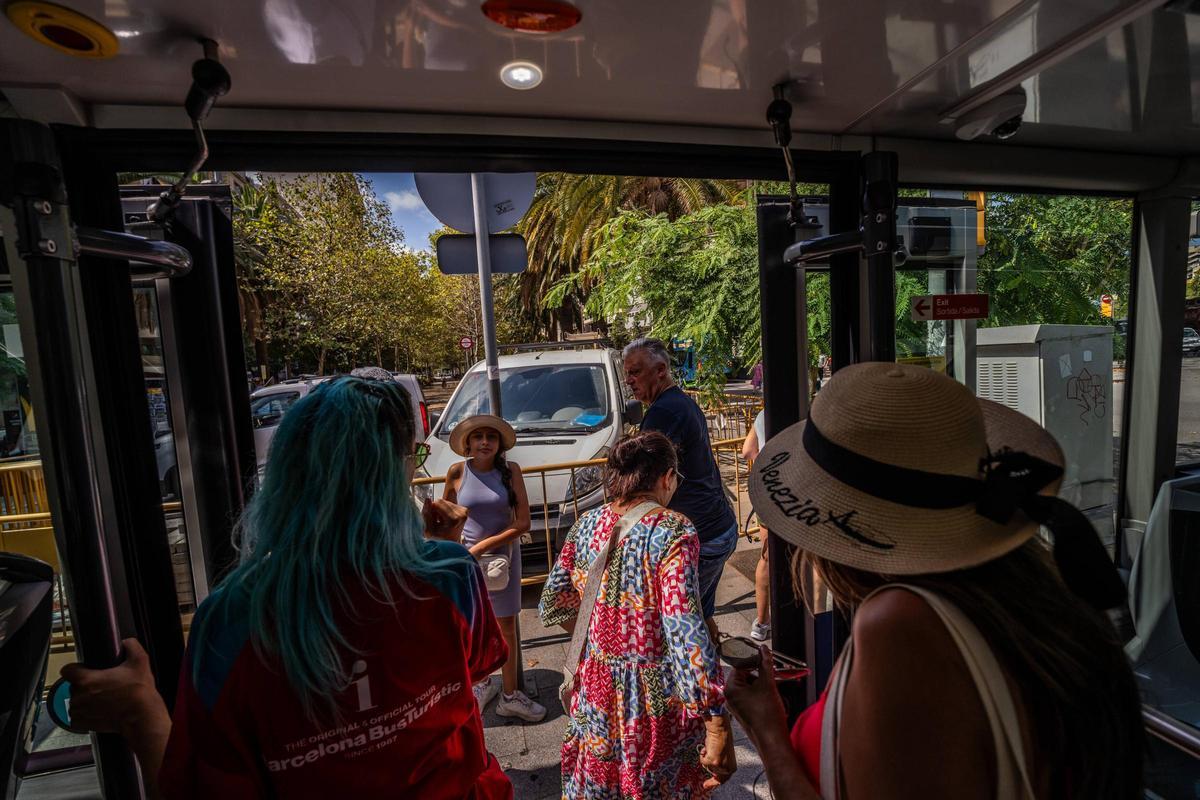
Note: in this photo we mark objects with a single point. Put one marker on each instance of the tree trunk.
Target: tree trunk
(262, 356)
(321, 361)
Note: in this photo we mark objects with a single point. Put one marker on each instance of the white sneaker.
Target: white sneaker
(484, 691)
(519, 705)
(760, 631)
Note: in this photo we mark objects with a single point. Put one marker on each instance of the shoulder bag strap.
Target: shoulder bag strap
(591, 588)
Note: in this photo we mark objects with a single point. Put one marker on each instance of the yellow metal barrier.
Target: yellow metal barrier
(729, 417)
(25, 524)
(26, 528)
(539, 473)
(727, 452)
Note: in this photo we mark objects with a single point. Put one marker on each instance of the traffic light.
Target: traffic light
(979, 198)
(1106, 305)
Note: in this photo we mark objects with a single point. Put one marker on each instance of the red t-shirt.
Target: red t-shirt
(409, 726)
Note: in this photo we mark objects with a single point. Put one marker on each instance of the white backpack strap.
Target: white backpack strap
(1011, 773)
(591, 590)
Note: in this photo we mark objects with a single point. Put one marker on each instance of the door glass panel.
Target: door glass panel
(1187, 450)
(26, 524)
(145, 301)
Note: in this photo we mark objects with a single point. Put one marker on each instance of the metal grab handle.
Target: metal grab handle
(168, 260)
(1179, 735)
(815, 249)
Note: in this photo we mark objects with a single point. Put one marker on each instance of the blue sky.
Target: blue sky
(400, 193)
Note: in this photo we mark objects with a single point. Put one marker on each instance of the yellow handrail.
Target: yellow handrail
(542, 468)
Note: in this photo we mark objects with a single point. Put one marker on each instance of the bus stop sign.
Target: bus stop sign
(935, 307)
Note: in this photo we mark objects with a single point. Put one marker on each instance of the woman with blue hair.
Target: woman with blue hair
(301, 678)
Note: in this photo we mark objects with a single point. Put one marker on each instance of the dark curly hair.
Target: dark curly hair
(636, 463)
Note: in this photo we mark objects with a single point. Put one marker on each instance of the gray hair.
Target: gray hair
(653, 348)
(372, 374)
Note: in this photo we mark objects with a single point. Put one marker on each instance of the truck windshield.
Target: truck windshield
(556, 398)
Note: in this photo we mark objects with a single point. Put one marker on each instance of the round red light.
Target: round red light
(533, 16)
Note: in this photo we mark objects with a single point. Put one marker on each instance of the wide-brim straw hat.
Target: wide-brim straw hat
(897, 430)
(458, 437)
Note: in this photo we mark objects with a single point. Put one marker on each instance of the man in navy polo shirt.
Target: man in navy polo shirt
(701, 494)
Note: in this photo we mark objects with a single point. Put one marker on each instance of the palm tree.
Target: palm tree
(566, 216)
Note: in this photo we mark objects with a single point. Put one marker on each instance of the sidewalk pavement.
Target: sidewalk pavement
(529, 753)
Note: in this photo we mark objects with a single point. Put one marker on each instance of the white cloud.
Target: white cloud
(407, 200)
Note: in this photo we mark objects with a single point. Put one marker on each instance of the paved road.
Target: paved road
(1189, 402)
(1188, 436)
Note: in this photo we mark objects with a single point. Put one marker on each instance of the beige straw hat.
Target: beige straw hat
(458, 437)
(902, 471)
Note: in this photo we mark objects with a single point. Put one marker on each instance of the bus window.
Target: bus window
(1056, 273)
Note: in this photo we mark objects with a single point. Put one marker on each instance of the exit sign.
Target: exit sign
(935, 307)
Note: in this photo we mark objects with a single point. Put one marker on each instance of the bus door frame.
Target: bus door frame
(80, 340)
(200, 324)
(863, 328)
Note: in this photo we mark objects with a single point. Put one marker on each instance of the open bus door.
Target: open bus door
(112, 353)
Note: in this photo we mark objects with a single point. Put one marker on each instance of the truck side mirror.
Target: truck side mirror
(634, 412)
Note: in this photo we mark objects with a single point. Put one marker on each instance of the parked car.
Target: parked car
(1191, 342)
(267, 407)
(565, 405)
(168, 468)
(420, 409)
(270, 403)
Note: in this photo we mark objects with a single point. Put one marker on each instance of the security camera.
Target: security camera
(1000, 117)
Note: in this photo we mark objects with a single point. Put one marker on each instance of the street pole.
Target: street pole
(483, 255)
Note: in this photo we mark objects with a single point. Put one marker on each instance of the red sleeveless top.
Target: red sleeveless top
(806, 739)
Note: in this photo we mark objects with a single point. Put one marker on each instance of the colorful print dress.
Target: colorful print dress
(649, 671)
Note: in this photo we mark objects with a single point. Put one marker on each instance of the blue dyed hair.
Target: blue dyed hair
(334, 512)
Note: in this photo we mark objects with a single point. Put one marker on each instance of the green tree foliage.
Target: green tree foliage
(325, 280)
(693, 278)
(564, 223)
(1050, 258)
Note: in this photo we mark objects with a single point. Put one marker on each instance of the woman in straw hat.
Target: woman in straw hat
(981, 662)
(493, 492)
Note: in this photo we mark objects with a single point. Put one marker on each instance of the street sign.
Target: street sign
(934, 307)
(456, 253)
(466, 343)
(448, 197)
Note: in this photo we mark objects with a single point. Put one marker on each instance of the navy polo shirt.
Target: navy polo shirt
(701, 495)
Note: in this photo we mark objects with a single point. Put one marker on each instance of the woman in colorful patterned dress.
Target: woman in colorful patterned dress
(648, 718)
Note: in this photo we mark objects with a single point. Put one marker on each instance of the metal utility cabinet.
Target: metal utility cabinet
(1062, 377)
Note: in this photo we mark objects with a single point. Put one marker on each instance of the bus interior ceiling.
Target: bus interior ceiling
(1090, 98)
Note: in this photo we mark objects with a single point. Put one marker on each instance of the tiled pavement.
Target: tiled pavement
(529, 753)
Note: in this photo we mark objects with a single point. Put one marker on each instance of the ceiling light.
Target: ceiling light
(521, 75)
